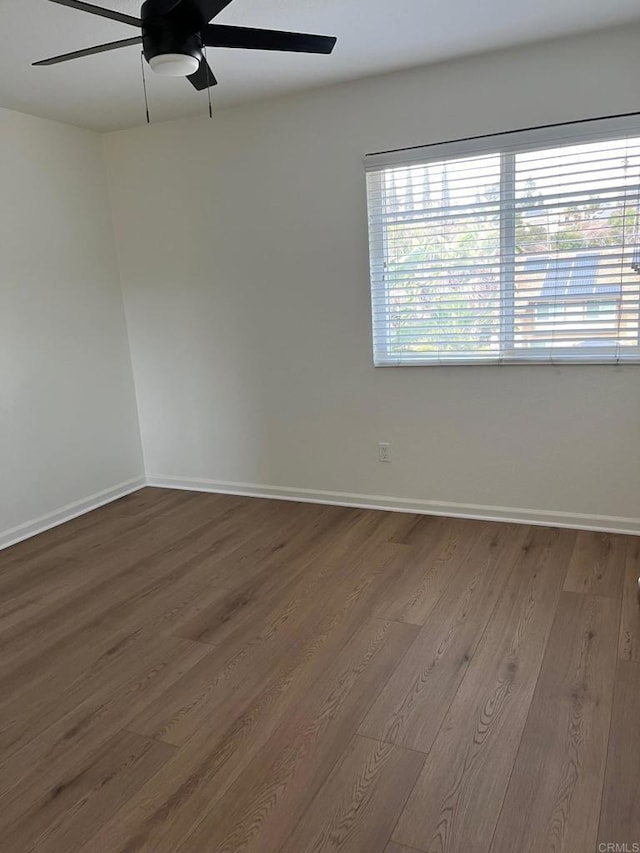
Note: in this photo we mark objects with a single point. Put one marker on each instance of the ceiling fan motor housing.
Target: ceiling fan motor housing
(159, 38)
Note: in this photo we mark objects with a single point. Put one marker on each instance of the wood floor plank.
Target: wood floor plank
(597, 564)
(115, 597)
(432, 567)
(32, 588)
(232, 734)
(131, 538)
(553, 799)
(416, 530)
(31, 704)
(88, 726)
(245, 663)
(65, 815)
(130, 505)
(199, 802)
(190, 528)
(27, 713)
(94, 533)
(620, 815)
(456, 802)
(24, 713)
(260, 593)
(392, 847)
(412, 706)
(279, 784)
(356, 809)
(250, 650)
(629, 643)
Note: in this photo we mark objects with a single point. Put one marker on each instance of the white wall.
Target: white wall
(68, 418)
(243, 254)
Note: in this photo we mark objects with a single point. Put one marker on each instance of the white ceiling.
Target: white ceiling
(105, 91)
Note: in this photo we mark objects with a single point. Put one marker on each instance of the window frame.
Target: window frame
(506, 144)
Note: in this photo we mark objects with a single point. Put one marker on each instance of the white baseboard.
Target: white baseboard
(546, 518)
(66, 513)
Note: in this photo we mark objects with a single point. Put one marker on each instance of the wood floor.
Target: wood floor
(190, 673)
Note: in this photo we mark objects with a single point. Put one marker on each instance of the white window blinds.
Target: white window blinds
(522, 247)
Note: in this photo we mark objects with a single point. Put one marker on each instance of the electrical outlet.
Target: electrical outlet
(384, 451)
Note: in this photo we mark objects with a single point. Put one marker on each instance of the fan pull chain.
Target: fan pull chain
(206, 59)
(144, 86)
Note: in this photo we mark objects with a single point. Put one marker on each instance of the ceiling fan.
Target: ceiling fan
(176, 33)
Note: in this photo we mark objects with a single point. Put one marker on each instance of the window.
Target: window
(521, 247)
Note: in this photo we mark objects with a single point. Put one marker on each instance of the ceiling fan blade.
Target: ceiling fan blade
(89, 51)
(210, 9)
(192, 15)
(203, 77)
(98, 10)
(219, 35)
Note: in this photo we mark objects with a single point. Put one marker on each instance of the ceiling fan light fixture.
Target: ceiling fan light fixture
(174, 64)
